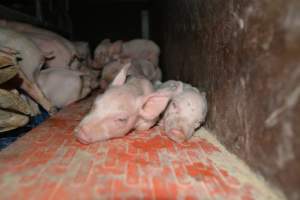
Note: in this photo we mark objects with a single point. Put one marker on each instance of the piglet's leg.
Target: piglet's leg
(85, 86)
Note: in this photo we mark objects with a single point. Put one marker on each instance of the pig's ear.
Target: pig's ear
(121, 77)
(152, 105)
(178, 87)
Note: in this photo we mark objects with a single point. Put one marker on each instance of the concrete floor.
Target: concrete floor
(48, 163)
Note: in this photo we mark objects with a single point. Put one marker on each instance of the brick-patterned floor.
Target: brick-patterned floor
(48, 163)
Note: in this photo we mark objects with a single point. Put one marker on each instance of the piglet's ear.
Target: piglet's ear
(152, 105)
(121, 77)
(178, 87)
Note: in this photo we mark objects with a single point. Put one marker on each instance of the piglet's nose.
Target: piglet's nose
(81, 135)
(176, 135)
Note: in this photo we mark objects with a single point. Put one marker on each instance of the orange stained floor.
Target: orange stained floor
(48, 163)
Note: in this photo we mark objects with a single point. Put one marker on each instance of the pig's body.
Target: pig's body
(60, 54)
(27, 28)
(141, 49)
(30, 65)
(185, 113)
(32, 57)
(122, 108)
(63, 86)
(107, 52)
(138, 67)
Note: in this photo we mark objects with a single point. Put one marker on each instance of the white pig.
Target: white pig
(148, 69)
(28, 28)
(30, 64)
(58, 51)
(138, 67)
(63, 86)
(141, 49)
(106, 51)
(125, 106)
(185, 113)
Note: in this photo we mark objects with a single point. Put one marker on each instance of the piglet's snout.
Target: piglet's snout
(82, 135)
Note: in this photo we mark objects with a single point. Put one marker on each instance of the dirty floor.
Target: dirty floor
(48, 163)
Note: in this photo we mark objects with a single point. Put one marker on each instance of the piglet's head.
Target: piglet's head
(106, 52)
(116, 112)
(185, 113)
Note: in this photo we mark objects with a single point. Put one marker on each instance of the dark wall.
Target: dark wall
(246, 55)
(94, 21)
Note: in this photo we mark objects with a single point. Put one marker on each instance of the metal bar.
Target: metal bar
(145, 24)
(11, 14)
(38, 10)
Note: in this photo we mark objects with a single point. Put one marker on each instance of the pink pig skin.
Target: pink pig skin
(139, 67)
(30, 65)
(125, 106)
(107, 52)
(141, 49)
(63, 86)
(27, 28)
(59, 53)
(185, 113)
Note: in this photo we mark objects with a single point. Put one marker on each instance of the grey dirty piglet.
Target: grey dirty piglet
(128, 104)
(186, 111)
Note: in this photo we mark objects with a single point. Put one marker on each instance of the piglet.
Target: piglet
(64, 86)
(151, 71)
(138, 67)
(54, 41)
(108, 51)
(141, 49)
(32, 60)
(186, 111)
(58, 53)
(126, 105)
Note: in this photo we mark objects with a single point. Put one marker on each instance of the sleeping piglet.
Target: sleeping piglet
(126, 105)
(139, 67)
(186, 111)
(108, 51)
(64, 86)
